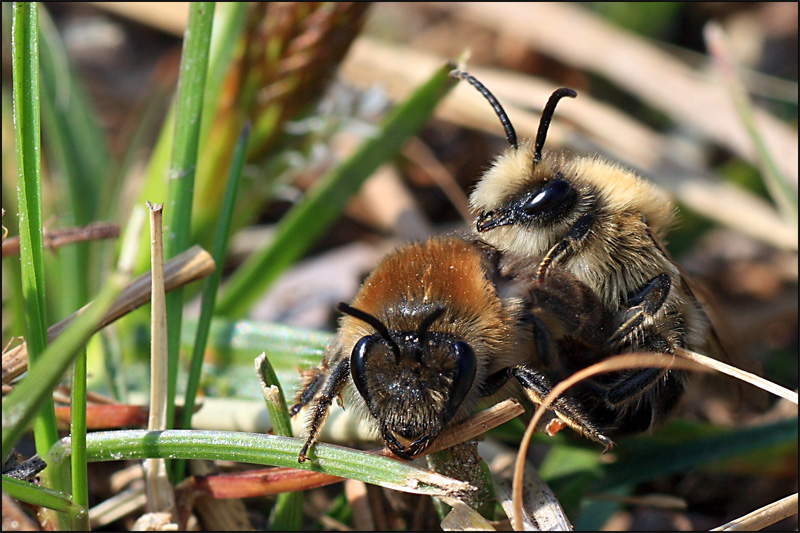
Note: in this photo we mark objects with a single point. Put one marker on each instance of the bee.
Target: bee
(603, 225)
(425, 338)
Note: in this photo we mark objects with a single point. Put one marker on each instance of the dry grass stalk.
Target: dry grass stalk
(160, 497)
(764, 517)
(747, 377)
(59, 237)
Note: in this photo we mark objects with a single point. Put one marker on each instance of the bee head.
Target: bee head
(523, 192)
(412, 382)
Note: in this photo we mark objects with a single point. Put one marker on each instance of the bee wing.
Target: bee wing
(717, 330)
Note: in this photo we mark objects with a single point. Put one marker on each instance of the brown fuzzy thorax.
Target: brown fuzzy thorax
(410, 282)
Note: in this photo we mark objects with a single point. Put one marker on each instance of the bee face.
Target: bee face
(526, 208)
(413, 384)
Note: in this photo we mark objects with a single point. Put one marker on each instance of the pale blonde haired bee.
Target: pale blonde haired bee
(603, 224)
(426, 336)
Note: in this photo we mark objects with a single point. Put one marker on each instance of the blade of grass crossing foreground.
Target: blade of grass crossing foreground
(25, 82)
(308, 220)
(178, 212)
(272, 450)
(211, 285)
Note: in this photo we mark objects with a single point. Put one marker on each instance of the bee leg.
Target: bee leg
(308, 393)
(333, 387)
(645, 304)
(575, 236)
(567, 409)
(646, 395)
(538, 387)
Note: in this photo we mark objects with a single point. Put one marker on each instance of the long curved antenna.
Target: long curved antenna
(428, 321)
(511, 135)
(547, 116)
(372, 321)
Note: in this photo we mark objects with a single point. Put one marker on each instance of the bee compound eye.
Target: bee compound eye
(358, 362)
(463, 378)
(551, 195)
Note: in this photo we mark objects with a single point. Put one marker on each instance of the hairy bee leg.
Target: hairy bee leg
(333, 387)
(308, 393)
(538, 387)
(569, 411)
(634, 385)
(644, 414)
(645, 304)
(576, 235)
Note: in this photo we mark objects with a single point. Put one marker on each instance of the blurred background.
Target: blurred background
(701, 98)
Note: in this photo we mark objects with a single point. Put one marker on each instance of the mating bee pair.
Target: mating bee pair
(564, 268)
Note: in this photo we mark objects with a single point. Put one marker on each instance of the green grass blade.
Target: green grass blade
(287, 347)
(229, 22)
(666, 459)
(178, 212)
(270, 450)
(231, 346)
(42, 496)
(572, 472)
(307, 221)
(276, 403)
(38, 385)
(80, 145)
(25, 80)
(77, 432)
(212, 284)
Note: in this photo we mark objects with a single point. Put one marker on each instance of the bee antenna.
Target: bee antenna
(547, 116)
(372, 321)
(429, 320)
(511, 135)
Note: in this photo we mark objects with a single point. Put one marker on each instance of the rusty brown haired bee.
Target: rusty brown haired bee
(604, 225)
(426, 336)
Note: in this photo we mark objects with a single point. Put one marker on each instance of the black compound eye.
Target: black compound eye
(358, 360)
(463, 378)
(551, 195)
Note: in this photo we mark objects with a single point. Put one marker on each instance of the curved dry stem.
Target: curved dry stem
(689, 360)
(620, 362)
(766, 516)
(747, 377)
